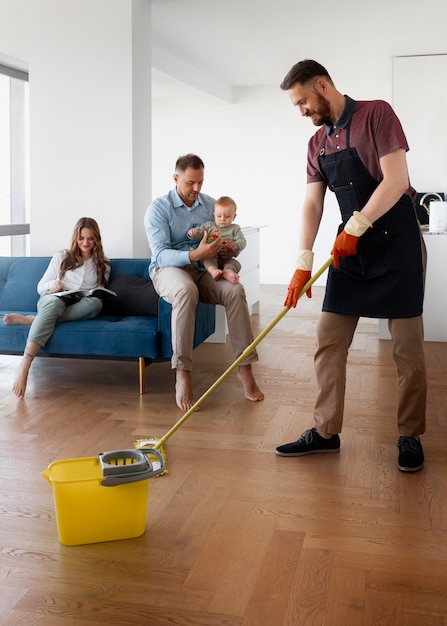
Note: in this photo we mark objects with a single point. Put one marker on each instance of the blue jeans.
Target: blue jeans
(51, 309)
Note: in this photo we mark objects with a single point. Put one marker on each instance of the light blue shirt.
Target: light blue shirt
(167, 222)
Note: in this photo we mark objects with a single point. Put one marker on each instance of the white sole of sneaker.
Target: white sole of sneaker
(306, 453)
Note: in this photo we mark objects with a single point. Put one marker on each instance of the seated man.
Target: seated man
(180, 278)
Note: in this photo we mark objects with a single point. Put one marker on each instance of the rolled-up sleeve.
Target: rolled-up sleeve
(157, 221)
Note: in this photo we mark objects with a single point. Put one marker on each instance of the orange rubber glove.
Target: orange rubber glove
(344, 245)
(299, 279)
(346, 242)
(304, 262)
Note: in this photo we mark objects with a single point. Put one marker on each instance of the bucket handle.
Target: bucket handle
(121, 474)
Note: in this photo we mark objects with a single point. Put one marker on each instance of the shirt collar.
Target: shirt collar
(178, 202)
(345, 117)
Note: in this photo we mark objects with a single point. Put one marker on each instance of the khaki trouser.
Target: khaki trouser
(183, 287)
(334, 337)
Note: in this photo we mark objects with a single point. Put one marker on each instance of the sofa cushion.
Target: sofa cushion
(18, 283)
(135, 296)
(127, 337)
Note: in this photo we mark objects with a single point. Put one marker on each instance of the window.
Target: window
(14, 162)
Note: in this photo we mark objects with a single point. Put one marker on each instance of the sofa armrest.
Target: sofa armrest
(204, 327)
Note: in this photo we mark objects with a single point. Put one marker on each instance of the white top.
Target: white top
(84, 277)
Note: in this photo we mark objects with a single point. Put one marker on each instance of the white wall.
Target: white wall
(254, 150)
(423, 117)
(89, 68)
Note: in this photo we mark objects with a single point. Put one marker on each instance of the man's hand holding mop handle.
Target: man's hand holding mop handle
(300, 277)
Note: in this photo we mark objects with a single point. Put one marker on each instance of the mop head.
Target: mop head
(151, 442)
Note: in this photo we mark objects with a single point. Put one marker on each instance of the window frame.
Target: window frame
(18, 229)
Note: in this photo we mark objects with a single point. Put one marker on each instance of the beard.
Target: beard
(321, 114)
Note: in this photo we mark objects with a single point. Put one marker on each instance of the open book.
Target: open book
(74, 295)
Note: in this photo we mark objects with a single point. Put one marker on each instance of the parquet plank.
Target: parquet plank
(246, 558)
(346, 597)
(268, 601)
(383, 608)
(309, 590)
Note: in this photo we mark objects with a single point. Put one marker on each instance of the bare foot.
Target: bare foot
(183, 390)
(231, 276)
(251, 389)
(19, 385)
(17, 318)
(215, 272)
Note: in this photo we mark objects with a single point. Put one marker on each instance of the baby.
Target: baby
(230, 233)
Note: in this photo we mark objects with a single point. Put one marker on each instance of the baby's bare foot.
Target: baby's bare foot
(215, 272)
(231, 276)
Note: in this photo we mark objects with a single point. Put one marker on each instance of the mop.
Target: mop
(151, 443)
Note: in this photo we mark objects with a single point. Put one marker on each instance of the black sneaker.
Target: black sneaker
(411, 455)
(310, 442)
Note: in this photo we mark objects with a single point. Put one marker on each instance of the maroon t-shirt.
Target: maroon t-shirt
(375, 132)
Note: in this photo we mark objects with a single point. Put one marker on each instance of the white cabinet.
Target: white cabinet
(249, 276)
(435, 299)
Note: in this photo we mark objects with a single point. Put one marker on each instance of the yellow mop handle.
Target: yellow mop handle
(248, 350)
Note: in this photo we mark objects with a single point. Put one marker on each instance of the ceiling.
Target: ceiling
(208, 48)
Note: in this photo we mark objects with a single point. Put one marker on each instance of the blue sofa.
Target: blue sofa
(136, 325)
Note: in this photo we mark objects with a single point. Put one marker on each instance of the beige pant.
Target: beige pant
(334, 337)
(184, 287)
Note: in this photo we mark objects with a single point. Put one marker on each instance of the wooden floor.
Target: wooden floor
(235, 535)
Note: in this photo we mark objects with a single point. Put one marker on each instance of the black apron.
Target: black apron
(385, 278)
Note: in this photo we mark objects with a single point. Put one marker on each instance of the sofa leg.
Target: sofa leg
(142, 374)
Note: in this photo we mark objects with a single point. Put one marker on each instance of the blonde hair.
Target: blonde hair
(226, 201)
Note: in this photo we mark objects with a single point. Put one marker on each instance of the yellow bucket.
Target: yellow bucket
(93, 503)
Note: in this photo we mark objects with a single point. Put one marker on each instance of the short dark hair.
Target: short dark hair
(189, 160)
(303, 72)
